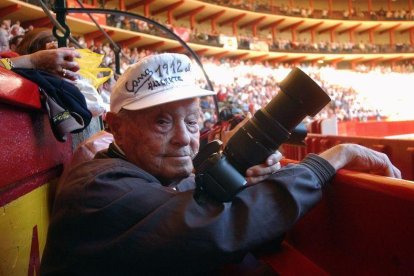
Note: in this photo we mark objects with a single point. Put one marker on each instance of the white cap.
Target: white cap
(154, 80)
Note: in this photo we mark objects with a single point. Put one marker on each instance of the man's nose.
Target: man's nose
(181, 134)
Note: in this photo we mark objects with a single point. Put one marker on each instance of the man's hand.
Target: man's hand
(359, 158)
(260, 172)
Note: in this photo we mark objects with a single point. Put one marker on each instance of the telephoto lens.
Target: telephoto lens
(220, 174)
(300, 96)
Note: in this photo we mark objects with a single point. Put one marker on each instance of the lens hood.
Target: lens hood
(304, 91)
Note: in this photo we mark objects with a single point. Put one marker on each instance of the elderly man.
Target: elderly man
(131, 210)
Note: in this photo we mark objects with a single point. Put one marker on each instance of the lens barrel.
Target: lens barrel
(272, 125)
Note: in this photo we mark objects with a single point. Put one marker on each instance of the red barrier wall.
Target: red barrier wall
(363, 226)
(400, 152)
(31, 160)
(28, 148)
(375, 128)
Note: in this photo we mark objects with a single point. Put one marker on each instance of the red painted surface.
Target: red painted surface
(363, 226)
(14, 190)
(100, 18)
(29, 153)
(400, 152)
(289, 261)
(27, 146)
(17, 90)
(375, 128)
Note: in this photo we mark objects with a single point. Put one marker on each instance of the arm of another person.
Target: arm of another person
(56, 61)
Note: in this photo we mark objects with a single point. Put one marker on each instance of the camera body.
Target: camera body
(221, 173)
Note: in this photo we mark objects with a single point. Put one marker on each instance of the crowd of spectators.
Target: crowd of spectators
(246, 40)
(305, 45)
(244, 86)
(354, 13)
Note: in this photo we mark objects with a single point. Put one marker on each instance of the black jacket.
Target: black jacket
(112, 218)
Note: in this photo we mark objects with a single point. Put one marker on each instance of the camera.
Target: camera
(220, 173)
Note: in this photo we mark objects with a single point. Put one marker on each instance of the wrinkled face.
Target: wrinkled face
(162, 140)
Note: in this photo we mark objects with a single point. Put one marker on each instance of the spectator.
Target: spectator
(4, 41)
(36, 40)
(14, 42)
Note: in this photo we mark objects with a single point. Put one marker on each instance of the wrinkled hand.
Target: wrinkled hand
(57, 61)
(359, 158)
(260, 172)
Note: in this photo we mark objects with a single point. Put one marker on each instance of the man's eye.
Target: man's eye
(192, 123)
(162, 122)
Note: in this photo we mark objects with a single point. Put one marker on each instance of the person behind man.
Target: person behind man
(131, 210)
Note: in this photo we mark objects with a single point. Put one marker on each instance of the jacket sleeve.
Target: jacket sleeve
(118, 222)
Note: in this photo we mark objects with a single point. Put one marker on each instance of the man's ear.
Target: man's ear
(115, 124)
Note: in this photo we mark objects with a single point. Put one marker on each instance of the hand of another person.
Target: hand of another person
(359, 158)
(57, 61)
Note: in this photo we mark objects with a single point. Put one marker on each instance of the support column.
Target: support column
(293, 31)
(234, 27)
(254, 30)
(192, 21)
(371, 36)
(122, 5)
(274, 32)
(392, 37)
(352, 36)
(170, 17)
(330, 7)
(213, 25)
(147, 9)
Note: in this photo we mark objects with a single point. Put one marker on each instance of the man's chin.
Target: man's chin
(167, 176)
(180, 171)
